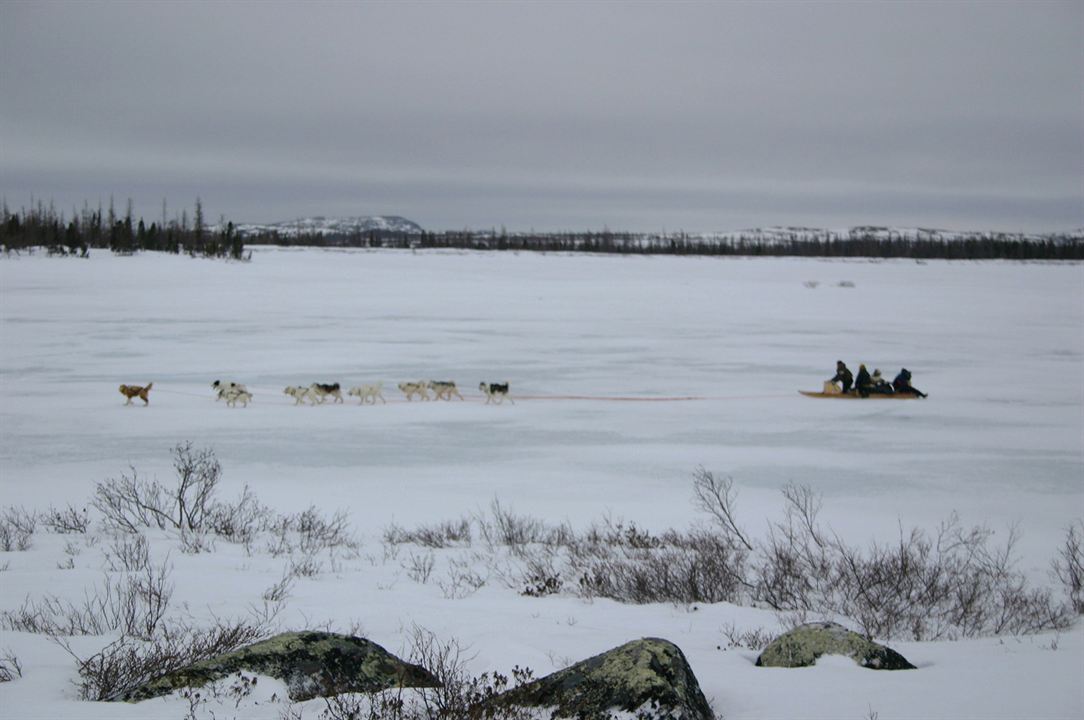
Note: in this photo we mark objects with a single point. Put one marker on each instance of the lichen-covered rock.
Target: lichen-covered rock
(310, 663)
(648, 677)
(804, 644)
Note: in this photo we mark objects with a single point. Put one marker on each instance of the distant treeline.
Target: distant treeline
(985, 246)
(42, 226)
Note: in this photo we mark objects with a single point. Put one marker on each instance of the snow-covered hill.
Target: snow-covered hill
(879, 232)
(320, 225)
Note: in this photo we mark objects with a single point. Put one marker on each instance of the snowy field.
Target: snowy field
(677, 363)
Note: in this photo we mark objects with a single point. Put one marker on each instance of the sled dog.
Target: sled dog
(496, 392)
(223, 388)
(443, 389)
(136, 391)
(322, 392)
(299, 393)
(414, 388)
(368, 394)
(236, 395)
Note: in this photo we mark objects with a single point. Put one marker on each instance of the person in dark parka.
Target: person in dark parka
(880, 385)
(863, 383)
(843, 375)
(902, 384)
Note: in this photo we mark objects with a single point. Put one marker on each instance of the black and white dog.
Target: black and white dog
(495, 392)
(323, 392)
(225, 389)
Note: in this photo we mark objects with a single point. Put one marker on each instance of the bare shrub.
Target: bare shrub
(278, 592)
(953, 583)
(697, 566)
(540, 576)
(460, 695)
(462, 579)
(305, 566)
(132, 502)
(1068, 567)
(134, 604)
(10, 668)
(505, 527)
(240, 521)
(317, 532)
(441, 535)
(716, 497)
(128, 553)
(617, 533)
(17, 526)
(122, 666)
(195, 542)
(420, 567)
(756, 639)
(67, 520)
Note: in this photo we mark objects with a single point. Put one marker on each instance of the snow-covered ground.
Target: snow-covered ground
(998, 346)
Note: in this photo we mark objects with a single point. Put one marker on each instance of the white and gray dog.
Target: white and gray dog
(443, 389)
(368, 394)
(236, 395)
(410, 389)
(300, 393)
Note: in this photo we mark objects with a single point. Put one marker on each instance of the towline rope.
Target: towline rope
(280, 399)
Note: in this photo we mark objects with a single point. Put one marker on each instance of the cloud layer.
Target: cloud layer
(646, 116)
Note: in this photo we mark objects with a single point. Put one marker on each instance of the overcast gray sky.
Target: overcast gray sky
(556, 115)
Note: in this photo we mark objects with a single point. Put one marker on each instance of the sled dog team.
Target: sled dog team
(317, 393)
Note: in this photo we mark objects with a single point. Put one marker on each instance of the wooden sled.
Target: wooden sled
(856, 396)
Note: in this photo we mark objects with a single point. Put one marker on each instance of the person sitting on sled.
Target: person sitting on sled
(880, 386)
(902, 384)
(843, 375)
(863, 383)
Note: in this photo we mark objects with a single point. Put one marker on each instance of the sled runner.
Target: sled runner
(856, 396)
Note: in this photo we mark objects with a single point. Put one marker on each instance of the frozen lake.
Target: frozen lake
(999, 347)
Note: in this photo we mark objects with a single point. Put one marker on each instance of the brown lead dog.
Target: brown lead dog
(135, 391)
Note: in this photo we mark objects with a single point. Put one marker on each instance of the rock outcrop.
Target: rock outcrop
(310, 663)
(648, 677)
(804, 644)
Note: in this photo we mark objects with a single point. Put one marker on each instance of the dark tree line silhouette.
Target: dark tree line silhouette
(856, 243)
(42, 226)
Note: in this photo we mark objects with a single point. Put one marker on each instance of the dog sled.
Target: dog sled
(832, 390)
(855, 396)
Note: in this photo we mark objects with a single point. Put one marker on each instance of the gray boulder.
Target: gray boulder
(310, 663)
(649, 677)
(804, 644)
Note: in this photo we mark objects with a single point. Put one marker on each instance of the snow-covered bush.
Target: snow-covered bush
(952, 583)
(440, 535)
(131, 502)
(66, 521)
(128, 662)
(1069, 565)
(10, 667)
(460, 695)
(17, 526)
(133, 604)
